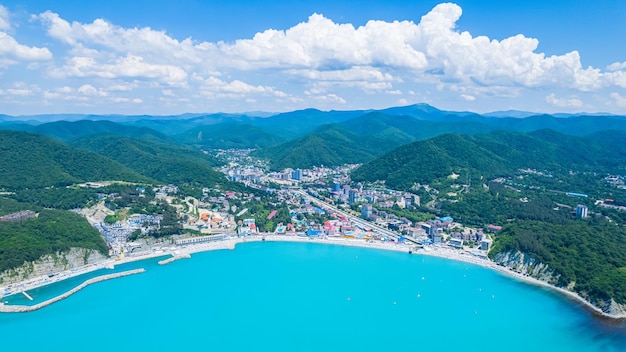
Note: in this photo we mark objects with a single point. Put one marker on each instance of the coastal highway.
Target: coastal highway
(362, 222)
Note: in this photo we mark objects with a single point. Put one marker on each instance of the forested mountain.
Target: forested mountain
(66, 130)
(36, 161)
(490, 155)
(165, 162)
(229, 135)
(330, 145)
(358, 140)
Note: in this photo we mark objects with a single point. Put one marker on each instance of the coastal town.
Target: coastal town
(319, 205)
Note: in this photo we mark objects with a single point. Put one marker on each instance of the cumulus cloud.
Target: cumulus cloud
(215, 87)
(14, 52)
(616, 66)
(325, 60)
(321, 49)
(129, 66)
(562, 102)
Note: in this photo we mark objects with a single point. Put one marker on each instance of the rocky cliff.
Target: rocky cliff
(50, 264)
(527, 265)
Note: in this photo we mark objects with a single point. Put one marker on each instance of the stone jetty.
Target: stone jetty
(21, 309)
(173, 258)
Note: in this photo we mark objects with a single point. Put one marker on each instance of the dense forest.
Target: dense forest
(591, 254)
(488, 156)
(35, 161)
(51, 231)
(164, 162)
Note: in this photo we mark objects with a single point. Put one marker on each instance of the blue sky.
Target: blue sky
(170, 57)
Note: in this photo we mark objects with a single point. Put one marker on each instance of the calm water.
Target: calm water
(309, 297)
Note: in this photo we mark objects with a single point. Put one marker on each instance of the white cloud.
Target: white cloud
(124, 67)
(468, 97)
(616, 66)
(89, 90)
(10, 48)
(215, 87)
(318, 60)
(127, 100)
(618, 99)
(5, 24)
(330, 98)
(562, 102)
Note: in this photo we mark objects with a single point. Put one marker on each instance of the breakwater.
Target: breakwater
(174, 258)
(23, 309)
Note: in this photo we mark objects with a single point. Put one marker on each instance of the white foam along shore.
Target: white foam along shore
(230, 243)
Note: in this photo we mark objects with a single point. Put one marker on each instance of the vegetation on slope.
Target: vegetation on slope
(165, 162)
(590, 255)
(487, 156)
(35, 161)
(50, 232)
(229, 135)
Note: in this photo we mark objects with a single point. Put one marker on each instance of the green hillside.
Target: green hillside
(35, 161)
(165, 162)
(229, 135)
(50, 232)
(491, 155)
(68, 130)
(331, 145)
(359, 140)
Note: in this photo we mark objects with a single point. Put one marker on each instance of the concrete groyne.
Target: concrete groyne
(174, 258)
(21, 309)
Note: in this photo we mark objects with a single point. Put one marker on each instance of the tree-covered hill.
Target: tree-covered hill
(229, 135)
(590, 255)
(329, 146)
(50, 232)
(496, 154)
(68, 130)
(36, 161)
(165, 162)
(359, 140)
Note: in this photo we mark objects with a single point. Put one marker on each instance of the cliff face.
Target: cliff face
(50, 264)
(526, 265)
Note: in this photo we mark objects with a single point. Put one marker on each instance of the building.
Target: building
(296, 175)
(366, 211)
(485, 244)
(352, 196)
(456, 243)
(582, 211)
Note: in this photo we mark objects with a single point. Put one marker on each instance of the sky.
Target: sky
(173, 57)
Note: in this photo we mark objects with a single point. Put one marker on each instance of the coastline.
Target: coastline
(231, 243)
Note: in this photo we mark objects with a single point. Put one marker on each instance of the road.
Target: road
(362, 222)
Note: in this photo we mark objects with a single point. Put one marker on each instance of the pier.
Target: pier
(174, 258)
(27, 295)
(22, 309)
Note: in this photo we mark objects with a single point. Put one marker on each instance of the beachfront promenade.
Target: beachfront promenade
(22, 309)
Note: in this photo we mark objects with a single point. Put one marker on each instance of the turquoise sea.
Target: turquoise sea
(308, 297)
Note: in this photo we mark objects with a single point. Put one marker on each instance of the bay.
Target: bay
(269, 296)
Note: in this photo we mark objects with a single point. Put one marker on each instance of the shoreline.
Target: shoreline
(231, 243)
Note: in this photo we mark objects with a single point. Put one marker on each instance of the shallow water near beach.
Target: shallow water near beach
(268, 296)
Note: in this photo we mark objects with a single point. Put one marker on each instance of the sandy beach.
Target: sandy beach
(231, 243)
